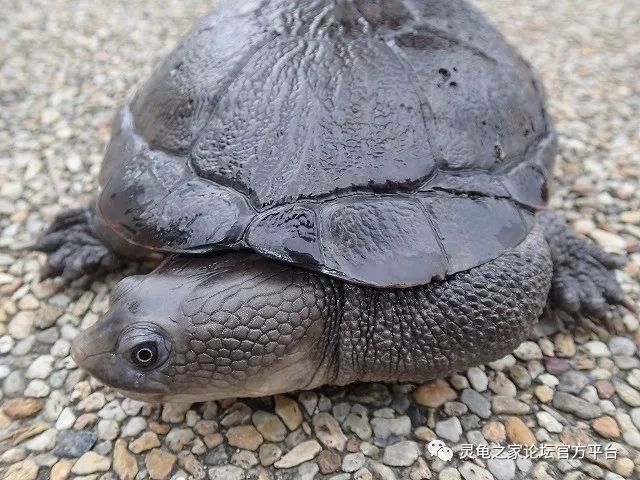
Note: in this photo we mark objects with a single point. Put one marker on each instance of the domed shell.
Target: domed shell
(382, 142)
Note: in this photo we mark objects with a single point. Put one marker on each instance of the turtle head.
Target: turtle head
(198, 328)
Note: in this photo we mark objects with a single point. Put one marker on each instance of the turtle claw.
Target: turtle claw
(75, 253)
(584, 282)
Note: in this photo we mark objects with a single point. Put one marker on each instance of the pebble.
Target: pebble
(72, 444)
(159, 463)
(383, 428)
(449, 429)
(226, 472)
(177, 438)
(576, 405)
(91, 462)
(24, 470)
(43, 442)
(606, 427)
(470, 471)
(401, 454)
(597, 348)
(501, 404)
(125, 464)
(518, 432)
(270, 426)
(244, 436)
(22, 407)
(547, 421)
(528, 351)
(134, 427)
(328, 431)
(478, 379)
(146, 441)
(627, 393)
(434, 394)
(476, 403)
(353, 462)
(299, 454)
(269, 453)
(502, 468)
(289, 411)
(62, 469)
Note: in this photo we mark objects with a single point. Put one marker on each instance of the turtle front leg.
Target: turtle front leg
(74, 249)
(583, 281)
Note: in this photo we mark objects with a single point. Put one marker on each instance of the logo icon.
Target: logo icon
(437, 448)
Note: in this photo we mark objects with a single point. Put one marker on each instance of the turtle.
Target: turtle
(340, 191)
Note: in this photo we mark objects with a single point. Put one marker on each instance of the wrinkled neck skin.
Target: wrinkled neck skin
(240, 325)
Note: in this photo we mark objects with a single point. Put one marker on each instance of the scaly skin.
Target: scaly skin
(237, 324)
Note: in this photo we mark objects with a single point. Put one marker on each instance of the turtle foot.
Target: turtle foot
(74, 251)
(584, 282)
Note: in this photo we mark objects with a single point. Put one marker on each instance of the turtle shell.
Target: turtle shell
(381, 142)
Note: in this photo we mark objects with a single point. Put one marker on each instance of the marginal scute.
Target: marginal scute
(475, 230)
(380, 241)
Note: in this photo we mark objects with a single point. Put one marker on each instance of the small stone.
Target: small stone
(564, 345)
(494, 432)
(134, 427)
(401, 454)
(624, 467)
(627, 393)
(605, 389)
(91, 462)
(212, 440)
(385, 427)
(449, 474)
(353, 462)
(22, 407)
(226, 472)
(146, 441)
(24, 470)
(93, 402)
(606, 427)
(177, 438)
(622, 346)
(309, 401)
(518, 432)
(572, 382)
(501, 404)
(37, 388)
(520, 376)
(328, 461)
(576, 405)
(478, 379)
(159, 463)
(503, 363)
(174, 412)
(476, 403)
(528, 351)
(112, 411)
(108, 429)
(22, 325)
(609, 241)
(244, 436)
(270, 426)
(471, 471)
(72, 444)
(547, 421)
(374, 394)
(124, 463)
(543, 393)
(596, 348)
(299, 454)
(358, 423)
(43, 442)
(501, 385)
(502, 468)
(41, 367)
(244, 459)
(434, 394)
(328, 431)
(449, 429)
(289, 411)
(268, 454)
(61, 470)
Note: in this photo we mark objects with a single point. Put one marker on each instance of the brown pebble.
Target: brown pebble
(606, 427)
(61, 470)
(494, 432)
(605, 388)
(159, 463)
(213, 440)
(244, 436)
(22, 407)
(329, 461)
(159, 428)
(434, 394)
(518, 432)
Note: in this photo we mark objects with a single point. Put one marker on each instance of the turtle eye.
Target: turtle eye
(144, 354)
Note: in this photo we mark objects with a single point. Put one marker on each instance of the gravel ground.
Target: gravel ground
(68, 64)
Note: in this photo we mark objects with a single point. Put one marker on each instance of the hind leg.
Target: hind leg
(583, 281)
